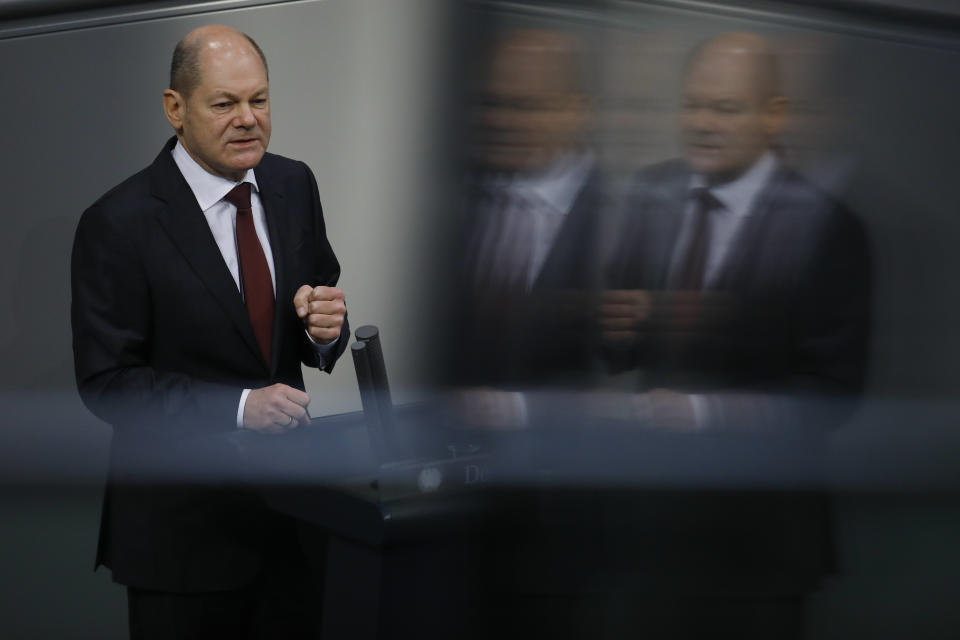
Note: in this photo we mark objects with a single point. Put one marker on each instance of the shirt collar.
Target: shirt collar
(207, 188)
(738, 195)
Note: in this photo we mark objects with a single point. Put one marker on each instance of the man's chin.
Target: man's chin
(247, 160)
(705, 166)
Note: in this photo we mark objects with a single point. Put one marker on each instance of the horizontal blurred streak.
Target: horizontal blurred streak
(557, 444)
(607, 439)
(49, 438)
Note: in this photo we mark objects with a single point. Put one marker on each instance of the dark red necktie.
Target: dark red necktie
(693, 269)
(254, 271)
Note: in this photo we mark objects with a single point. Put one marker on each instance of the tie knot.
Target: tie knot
(704, 199)
(239, 196)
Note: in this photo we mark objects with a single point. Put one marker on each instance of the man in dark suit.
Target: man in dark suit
(738, 289)
(200, 285)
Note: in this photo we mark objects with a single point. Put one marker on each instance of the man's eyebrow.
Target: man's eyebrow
(223, 93)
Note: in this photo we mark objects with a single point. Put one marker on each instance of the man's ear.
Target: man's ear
(174, 107)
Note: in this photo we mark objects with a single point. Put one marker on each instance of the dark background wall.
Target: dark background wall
(356, 92)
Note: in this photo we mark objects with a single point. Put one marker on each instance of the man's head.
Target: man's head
(732, 105)
(219, 100)
(530, 107)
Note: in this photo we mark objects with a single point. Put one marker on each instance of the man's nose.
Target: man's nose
(701, 120)
(245, 117)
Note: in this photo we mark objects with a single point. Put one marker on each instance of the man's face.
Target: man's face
(527, 112)
(725, 121)
(226, 119)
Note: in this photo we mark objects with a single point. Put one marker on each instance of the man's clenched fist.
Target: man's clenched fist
(322, 310)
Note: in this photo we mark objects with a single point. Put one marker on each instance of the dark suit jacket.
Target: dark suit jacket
(163, 348)
(778, 347)
(788, 315)
(537, 337)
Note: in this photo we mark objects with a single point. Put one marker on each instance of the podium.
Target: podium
(477, 541)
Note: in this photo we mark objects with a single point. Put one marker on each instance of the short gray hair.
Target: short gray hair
(185, 65)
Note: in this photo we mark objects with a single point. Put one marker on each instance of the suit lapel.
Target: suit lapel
(668, 208)
(183, 220)
(652, 217)
(272, 198)
(570, 262)
(744, 253)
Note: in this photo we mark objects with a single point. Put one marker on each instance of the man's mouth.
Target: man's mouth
(242, 142)
(703, 147)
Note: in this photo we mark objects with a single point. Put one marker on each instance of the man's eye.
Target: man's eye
(260, 101)
(221, 105)
(727, 108)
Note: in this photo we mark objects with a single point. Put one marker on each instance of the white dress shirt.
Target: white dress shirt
(209, 190)
(736, 199)
(520, 224)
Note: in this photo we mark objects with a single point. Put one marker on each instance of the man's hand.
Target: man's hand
(276, 409)
(322, 310)
(622, 315)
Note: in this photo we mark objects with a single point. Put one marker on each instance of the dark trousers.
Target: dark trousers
(283, 602)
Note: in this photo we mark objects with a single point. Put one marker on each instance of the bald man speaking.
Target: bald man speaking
(200, 285)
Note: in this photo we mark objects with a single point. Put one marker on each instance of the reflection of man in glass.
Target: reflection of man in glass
(529, 209)
(738, 289)
(530, 110)
(739, 294)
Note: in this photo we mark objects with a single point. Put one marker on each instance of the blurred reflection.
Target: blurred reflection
(729, 299)
(529, 216)
(816, 139)
(530, 111)
(734, 292)
(637, 98)
(738, 290)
